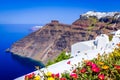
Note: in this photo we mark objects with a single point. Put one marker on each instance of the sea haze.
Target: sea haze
(12, 66)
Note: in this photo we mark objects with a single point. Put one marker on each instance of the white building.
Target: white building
(100, 43)
(79, 47)
(116, 37)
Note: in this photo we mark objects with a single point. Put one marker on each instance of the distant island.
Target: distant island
(35, 28)
(49, 41)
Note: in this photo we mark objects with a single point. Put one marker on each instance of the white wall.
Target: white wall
(80, 47)
(102, 41)
(116, 37)
(117, 34)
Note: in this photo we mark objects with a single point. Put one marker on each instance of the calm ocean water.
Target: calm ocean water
(12, 66)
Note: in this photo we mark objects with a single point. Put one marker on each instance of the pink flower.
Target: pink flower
(74, 71)
(94, 65)
(26, 77)
(117, 67)
(63, 78)
(83, 70)
(89, 63)
(101, 76)
(68, 62)
(53, 75)
(30, 76)
(74, 75)
(33, 74)
(57, 75)
(95, 69)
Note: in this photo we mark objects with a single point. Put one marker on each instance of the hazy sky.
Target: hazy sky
(43, 11)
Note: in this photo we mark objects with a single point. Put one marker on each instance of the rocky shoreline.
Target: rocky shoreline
(53, 38)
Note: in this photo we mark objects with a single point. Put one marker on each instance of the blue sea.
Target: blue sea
(12, 66)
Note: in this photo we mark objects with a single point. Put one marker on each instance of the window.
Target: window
(78, 52)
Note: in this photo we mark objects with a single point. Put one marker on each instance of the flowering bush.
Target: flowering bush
(104, 67)
(32, 77)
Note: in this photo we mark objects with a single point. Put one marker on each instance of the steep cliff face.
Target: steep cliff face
(47, 42)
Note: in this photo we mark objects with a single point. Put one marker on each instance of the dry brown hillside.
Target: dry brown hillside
(54, 37)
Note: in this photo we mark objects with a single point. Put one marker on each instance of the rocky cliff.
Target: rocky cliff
(47, 42)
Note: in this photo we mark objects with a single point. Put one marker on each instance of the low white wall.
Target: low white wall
(62, 66)
(81, 46)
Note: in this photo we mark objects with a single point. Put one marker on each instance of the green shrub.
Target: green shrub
(61, 57)
(49, 63)
(110, 37)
